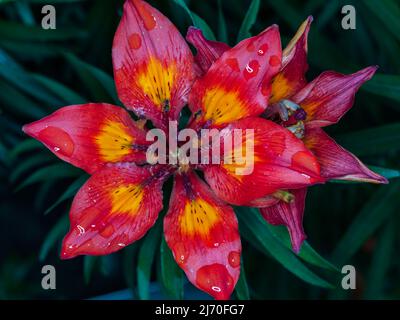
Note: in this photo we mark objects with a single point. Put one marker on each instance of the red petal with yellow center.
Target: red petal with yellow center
(289, 215)
(237, 85)
(265, 158)
(291, 78)
(327, 98)
(153, 65)
(114, 208)
(207, 51)
(203, 235)
(335, 161)
(90, 135)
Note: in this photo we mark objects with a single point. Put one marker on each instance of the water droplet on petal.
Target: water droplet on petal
(215, 280)
(262, 50)
(274, 61)
(81, 229)
(251, 69)
(58, 140)
(233, 64)
(135, 41)
(234, 259)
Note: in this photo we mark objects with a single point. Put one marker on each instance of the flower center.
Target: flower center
(289, 115)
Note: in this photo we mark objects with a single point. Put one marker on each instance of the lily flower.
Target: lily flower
(304, 109)
(156, 76)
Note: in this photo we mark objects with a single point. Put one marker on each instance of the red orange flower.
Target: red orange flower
(156, 75)
(304, 108)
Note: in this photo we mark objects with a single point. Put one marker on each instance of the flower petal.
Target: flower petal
(327, 98)
(237, 85)
(291, 78)
(207, 51)
(153, 65)
(114, 208)
(203, 235)
(335, 161)
(90, 135)
(290, 215)
(278, 160)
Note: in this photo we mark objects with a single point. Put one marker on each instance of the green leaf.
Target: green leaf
(222, 32)
(15, 102)
(18, 77)
(388, 12)
(378, 140)
(99, 83)
(128, 265)
(307, 253)
(51, 172)
(375, 212)
(24, 146)
(242, 288)
(249, 20)
(386, 172)
(385, 85)
(89, 264)
(55, 234)
(171, 275)
(145, 260)
(69, 193)
(29, 163)
(197, 21)
(60, 90)
(381, 262)
(17, 31)
(252, 223)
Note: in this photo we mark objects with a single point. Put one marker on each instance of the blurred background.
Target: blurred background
(346, 223)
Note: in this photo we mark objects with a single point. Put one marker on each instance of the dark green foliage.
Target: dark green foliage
(42, 70)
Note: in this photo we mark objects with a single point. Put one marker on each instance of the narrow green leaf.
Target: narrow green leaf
(242, 289)
(307, 253)
(17, 31)
(388, 12)
(60, 90)
(145, 260)
(15, 102)
(99, 83)
(249, 20)
(197, 21)
(375, 211)
(51, 172)
(55, 234)
(18, 77)
(385, 172)
(69, 192)
(89, 264)
(381, 262)
(171, 274)
(222, 32)
(384, 85)
(29, 163)
(253, 223)
(378, 140)
(24, 146)
(128, 265)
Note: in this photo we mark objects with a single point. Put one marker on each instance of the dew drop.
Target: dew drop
(58, 140)
(233, 64)
(135, 41)
(81, 229)
(234, 259)
(274, 61)
(251, 69)
(216, 289)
